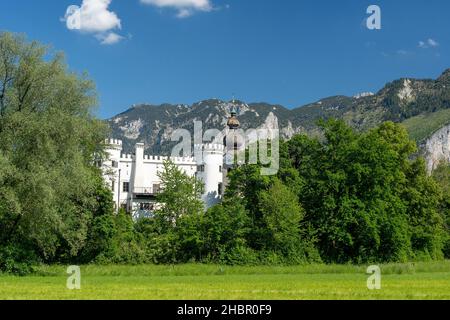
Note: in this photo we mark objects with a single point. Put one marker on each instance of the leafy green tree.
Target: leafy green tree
(113, 239)
(180, 195)
(364, 196)
(245, 185)
(423, 197)
(282, 216)
(224, 230)
(102, 227)
(272, 204)
(442, 176)
(48, 137)
(180, 211)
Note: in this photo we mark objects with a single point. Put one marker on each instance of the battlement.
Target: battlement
(209, 147)
(115, 145)
(160, 159)
(114, 142)
(125, 156)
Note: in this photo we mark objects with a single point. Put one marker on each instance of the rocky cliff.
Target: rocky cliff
(437, 148)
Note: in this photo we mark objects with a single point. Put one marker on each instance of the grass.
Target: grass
(200, 282)
(423, 126)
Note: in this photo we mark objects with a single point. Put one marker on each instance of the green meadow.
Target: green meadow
(417, 281)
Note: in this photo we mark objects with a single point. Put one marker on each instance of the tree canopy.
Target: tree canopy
(48, 138)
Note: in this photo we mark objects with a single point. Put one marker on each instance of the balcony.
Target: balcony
(146, 192)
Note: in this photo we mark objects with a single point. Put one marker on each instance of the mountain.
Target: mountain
(154, 124)
(409, 101)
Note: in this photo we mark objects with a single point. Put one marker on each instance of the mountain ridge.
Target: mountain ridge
(397, 101)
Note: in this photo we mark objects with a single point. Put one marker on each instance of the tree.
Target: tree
(224, 230)
(282, 215)
(181, 208)
(101, 228)
(245, 185)
(180, 195)
(364, 196)
(442, 176)
(48, 137)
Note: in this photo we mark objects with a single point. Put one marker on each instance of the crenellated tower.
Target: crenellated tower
(114, 149)
(210, 172)
(111, 168)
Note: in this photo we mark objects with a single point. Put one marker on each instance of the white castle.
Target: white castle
(134, 180)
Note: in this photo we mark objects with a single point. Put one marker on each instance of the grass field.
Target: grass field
(199, 282)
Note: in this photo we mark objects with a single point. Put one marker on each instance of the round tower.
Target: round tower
(113, 149)
(210, 172)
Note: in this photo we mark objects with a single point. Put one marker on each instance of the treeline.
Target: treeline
(344, 197)
(348, 197)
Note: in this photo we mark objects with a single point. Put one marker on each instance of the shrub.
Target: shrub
(17, 260)
(240, 255)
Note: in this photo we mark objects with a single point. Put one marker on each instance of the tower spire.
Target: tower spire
(233, 122)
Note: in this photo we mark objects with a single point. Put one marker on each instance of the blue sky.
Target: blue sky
(289, 52)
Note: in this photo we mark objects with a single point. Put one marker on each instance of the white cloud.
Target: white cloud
(430, 43)
(185, 8)
(94, 17)
(109, 38)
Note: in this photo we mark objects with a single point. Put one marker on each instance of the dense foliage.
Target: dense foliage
(364, 196)
(48, 136)
(442, 176)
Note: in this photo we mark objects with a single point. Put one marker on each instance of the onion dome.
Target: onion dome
(233, 123)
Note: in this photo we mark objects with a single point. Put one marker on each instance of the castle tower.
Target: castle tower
(138, 170)
(234, 140)
(112, 167)
(210, 172)
(113, 149)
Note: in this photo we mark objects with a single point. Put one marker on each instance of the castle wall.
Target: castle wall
(141, 171)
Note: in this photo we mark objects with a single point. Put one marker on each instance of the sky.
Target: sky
(288, 52)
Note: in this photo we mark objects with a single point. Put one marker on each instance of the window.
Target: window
(201, 168)
(220, 189)
(113, 185)
(126, 187)
(220, 169)
(147, 207)
(115, 164)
